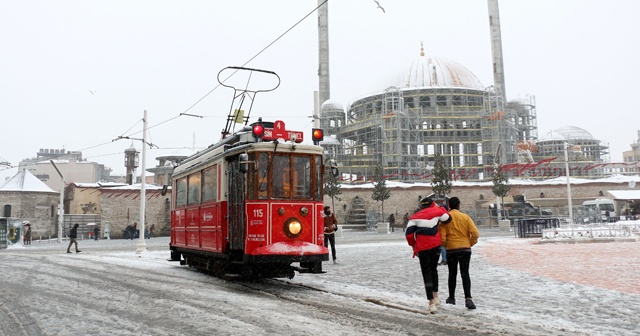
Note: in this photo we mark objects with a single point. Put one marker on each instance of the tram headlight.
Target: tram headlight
(292, 227)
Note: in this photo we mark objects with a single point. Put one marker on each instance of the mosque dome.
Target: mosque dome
(428, 71)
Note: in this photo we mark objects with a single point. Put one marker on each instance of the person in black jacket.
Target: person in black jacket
(73, 234)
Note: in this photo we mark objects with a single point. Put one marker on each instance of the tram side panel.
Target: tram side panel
(213, 228)
(193, 227)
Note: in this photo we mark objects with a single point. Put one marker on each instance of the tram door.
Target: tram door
(236, 205)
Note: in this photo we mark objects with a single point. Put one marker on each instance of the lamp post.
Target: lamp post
(566, 167)
(61, 205)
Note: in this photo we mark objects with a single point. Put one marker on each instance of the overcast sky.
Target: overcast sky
(79, 74)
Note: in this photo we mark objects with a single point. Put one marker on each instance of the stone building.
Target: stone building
(27, 198)
(71, 165)
(632, 157)
(119, 205)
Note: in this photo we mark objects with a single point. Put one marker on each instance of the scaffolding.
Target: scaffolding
(402, 129)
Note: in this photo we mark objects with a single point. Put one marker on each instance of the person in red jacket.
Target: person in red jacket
(424, 236)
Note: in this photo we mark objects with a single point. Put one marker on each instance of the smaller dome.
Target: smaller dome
(331, 105)
(552, 136)
(574, 133)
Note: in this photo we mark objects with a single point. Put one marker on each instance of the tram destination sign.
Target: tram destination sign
(279, 132)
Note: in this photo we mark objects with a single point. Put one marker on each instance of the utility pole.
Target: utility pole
(142, 246)
(61, 205)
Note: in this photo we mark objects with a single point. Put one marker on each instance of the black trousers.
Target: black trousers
(429, 268)
(463, 257)
(331, 238)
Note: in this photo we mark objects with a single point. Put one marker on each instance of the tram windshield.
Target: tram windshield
(285, 176)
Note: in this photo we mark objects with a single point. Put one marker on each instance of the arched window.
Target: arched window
(7, 210)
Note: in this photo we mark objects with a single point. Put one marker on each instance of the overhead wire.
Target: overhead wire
(244, 64)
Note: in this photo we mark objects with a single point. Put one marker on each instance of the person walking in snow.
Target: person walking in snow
(392, 222)
(330, 227)
(73, 235)
(423, 236)
(27, 236)
(405, 221)
(458, 236)
(96, 232)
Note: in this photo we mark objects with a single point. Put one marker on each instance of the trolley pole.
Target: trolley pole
(142, 246)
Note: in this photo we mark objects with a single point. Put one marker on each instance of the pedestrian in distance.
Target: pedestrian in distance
(73, 235)
(458, 236)
(330, 227)
(423, 235)
(392, 221)
(443, 251)
(405, 221)
(96, 232)
(27, 236)
(134, 231)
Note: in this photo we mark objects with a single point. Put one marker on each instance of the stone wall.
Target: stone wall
(474, 198)
(123, 208)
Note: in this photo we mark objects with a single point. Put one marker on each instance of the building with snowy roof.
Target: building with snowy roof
(70, 163)
(632, 157)
(25, 197)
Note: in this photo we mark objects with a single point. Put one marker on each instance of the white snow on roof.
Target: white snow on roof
(25, 181)
(555, 181)
(99, 185)
(136, 186)
(625, 194)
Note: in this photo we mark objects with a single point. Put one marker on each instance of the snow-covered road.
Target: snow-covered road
(108, 289)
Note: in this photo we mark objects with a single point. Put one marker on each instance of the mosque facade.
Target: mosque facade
(440, 107)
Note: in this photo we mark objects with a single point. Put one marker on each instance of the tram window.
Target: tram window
(263, 184)
(181, 192)
(281, 177)
(193, 189)
(209, 184)
(302, 177)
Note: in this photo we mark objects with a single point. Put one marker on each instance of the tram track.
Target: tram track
(389, 318)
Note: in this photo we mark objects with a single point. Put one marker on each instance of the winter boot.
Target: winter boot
(469, 304)
(451, 300)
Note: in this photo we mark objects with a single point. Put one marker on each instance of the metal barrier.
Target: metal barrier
(533, 227)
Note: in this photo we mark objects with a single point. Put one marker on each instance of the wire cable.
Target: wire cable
(219, 84)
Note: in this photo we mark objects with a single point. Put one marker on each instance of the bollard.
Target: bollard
(504, 225)
(338, 233)
(383, 228)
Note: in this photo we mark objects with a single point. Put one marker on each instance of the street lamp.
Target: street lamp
(566, 167)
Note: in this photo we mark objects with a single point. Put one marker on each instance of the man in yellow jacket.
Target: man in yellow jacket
(458, 236)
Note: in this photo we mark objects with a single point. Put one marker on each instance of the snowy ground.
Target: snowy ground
(520, 288)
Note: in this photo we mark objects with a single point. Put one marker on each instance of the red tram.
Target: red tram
(251, 205)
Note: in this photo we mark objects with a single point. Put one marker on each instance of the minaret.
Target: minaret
(323, 52)
(131, 163)
(496, 48)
